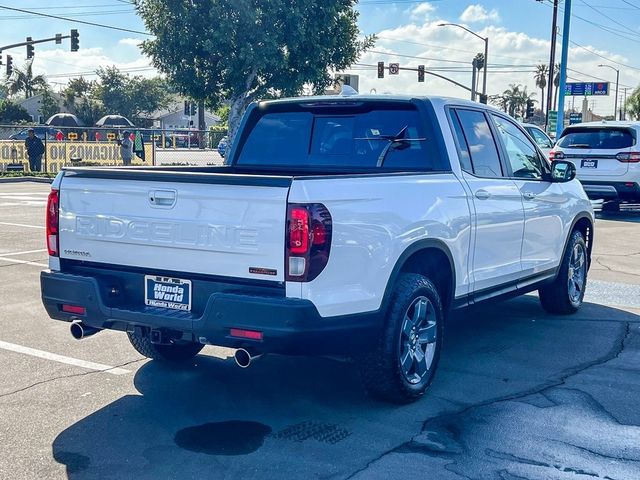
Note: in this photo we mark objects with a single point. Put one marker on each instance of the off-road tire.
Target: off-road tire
(175, 353)
(555, 297)
(380, 365)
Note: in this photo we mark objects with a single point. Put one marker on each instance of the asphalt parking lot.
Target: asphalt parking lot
(520, 394)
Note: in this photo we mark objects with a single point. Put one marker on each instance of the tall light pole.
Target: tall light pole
(615, 108)
(486, 52)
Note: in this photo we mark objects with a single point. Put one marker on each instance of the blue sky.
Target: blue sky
(518, 30)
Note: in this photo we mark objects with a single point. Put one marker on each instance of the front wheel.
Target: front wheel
(401, 365)
(566, 293)
(179, 351)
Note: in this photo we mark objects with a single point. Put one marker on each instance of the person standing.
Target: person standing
(35, 150)
(126, 149)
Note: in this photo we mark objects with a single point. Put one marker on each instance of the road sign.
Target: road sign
(575, 117)
(72, 136)
(111, 136)
(582, 89)
(553, 121)
(394, 68)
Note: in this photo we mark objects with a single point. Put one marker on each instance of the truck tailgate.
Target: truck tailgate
(219, 224)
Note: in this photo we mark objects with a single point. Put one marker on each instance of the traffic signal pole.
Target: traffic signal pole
(32, 42)
(563, 66)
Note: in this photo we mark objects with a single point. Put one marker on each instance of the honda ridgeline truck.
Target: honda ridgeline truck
(345, 225)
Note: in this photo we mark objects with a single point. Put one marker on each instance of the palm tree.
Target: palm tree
(516, 98)
(540, 76)
(23, 80)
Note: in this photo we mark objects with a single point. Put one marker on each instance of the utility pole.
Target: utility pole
(552, 59)
(563, 66)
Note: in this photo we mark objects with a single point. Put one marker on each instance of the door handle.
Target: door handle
(162, 198)
(529, 195)
(482, 195)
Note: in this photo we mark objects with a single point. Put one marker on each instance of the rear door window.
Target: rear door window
(480, 143)
(605, 138)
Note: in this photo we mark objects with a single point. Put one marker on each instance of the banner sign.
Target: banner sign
(59, 154)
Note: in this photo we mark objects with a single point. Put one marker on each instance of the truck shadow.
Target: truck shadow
(287, 417)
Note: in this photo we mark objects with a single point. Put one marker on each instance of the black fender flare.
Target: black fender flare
(424, 244)
(575, 221)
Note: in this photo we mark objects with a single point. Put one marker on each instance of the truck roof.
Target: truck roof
(437, 101)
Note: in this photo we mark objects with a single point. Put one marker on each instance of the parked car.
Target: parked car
(39, 131)
(223, 145)
(340, 226)
(607, 160)
(540, 137)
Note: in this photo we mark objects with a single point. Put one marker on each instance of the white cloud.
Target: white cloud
(477, 13)
(134, 42)
(448, 51)
(421, 11)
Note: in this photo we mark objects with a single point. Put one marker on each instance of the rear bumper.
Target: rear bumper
(623, 191)
(289, 326)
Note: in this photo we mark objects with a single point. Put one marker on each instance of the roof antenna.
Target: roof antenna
(348, 91)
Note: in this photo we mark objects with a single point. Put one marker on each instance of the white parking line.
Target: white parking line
(21, 225)
(62, 359)
(21, 253)
(22, 262)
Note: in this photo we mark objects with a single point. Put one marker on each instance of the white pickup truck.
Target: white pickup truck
(339, 225)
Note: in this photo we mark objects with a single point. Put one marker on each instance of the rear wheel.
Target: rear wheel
(566, 293)
(179, 351)
(401, 365)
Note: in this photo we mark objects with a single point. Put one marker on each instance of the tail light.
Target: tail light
(628, 157)
(308, 241)
(556, 155)
(52, 221)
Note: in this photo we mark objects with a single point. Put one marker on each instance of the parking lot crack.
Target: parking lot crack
(410, 445)
(49, 380)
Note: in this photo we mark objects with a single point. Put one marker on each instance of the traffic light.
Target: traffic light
(75, 40)
(186, 107)
(483, 98)
(9, 65)
(194, 109)
(30, 48)
(421, 73)
(529, 113)
(380, 69)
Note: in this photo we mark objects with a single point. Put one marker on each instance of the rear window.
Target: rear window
(597, 138)
(340, 139)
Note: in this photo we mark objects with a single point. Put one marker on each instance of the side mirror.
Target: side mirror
(562, 171)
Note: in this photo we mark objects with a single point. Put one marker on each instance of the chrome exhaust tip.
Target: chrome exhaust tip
(244, 358)
(79, 330)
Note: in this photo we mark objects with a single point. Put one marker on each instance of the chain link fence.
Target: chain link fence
(81, 146)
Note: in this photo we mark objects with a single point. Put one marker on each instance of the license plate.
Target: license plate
(167, 292)
(589, 164)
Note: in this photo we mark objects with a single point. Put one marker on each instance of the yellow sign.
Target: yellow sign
(111, 136)
(72, 136)
(59, 154)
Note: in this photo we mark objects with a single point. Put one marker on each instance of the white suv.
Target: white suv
(607, 159)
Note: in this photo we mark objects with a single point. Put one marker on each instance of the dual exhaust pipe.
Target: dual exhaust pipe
(243, 358)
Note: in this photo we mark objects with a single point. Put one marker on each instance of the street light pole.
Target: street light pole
(486, 52)
(615, 107)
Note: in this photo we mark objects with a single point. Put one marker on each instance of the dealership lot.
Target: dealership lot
(519, 394)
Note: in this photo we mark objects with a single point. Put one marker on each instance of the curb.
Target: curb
(26, 179)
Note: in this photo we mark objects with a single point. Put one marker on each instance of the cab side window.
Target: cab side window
(522, 154)
(479, 142)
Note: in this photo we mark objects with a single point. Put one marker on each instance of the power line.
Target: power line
(73, 14)
(608, 17)
(75, 21)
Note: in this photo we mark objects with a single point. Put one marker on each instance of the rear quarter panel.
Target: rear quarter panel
(375, 219)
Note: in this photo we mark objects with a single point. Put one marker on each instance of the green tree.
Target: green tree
(24, 81)
(79, 98)
(48, 105)
(540, 76)
(132, 97)
(515, 100)
(13, 113)
(238, 51)
(633, 104)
